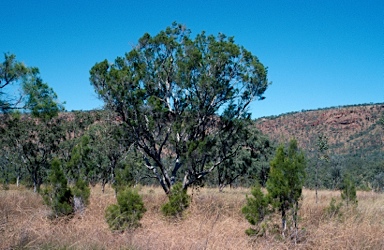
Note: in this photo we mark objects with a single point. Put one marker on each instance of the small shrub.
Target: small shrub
(255, 210)
(178, 201)
(57, 194)
(348, 192)
(334, 208)
(81, 193)
(128, 211)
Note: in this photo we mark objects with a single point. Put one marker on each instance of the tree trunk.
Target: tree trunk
(283, 221)
(221, 188)
(35, 183)
(103, 186)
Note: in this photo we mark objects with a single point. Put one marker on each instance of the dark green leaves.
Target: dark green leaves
(286, 178)
(128, 211)
(177, 94)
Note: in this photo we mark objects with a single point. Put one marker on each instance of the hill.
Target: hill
(355, 139)
(348, 129)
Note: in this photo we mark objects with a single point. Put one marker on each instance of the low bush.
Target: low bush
(178, 202)
(57, 195)
(255, 210)
(128, 211)
(81, 193)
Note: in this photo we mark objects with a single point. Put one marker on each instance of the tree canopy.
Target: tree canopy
(21, 88)
(180, 97)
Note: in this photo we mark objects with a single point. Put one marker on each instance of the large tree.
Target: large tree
(181, 97)
(34, 135)
(39, 143)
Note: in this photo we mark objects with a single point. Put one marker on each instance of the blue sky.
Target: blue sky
(318, 53)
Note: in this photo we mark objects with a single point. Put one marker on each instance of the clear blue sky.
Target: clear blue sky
(319, 53)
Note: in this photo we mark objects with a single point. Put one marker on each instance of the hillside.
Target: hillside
(349, 129)
(355, 140)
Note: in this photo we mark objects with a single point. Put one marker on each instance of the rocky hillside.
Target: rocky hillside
(349, 129)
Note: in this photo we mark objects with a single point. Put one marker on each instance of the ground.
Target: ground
(214, 221)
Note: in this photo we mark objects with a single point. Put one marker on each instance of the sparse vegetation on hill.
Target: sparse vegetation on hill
(348, 128)
(355, 142)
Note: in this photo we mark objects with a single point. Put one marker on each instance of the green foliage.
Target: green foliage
(171, 89)
(79, 163)
(36, 96)
(42, 100)
(57, 195)
(124, 178)
(33, 139)
(284, 186)
(101, 152)
(286, 179)
(378, 182)
(81, 193)
(322, 146)
(128, 211)
(334, 208)
(249, 162)
(178, 201)
(255, 210)
(348, 191)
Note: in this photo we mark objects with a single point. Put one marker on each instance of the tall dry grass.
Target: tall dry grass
(213, 221)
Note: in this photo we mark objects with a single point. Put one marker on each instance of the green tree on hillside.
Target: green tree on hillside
(180, 98)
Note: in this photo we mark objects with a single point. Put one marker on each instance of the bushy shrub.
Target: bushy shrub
(81, 193)
(255, 210)
(178, 201)
(334, 209)
(128, 211)
(57, 195)
(348, 191)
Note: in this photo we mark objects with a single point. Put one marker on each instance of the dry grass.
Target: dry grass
(214, 221)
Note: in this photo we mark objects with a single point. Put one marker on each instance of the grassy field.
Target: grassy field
(214, 221)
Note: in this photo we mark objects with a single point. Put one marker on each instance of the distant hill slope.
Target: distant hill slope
(351, 130)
